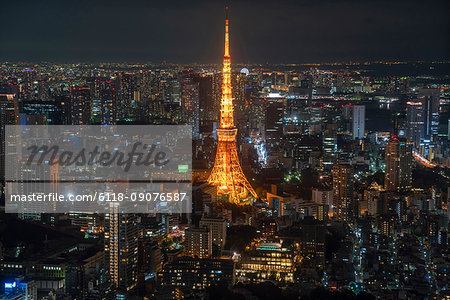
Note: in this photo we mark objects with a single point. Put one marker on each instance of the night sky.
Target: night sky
(192, 31)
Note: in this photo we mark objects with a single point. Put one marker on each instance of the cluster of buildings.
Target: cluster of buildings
(328, 177)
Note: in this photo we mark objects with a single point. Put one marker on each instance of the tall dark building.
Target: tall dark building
(81, 106)
(415, 122)
(312, 242)
(274, 122)
(430, 102)
(126, 95)
(207, 106)
(108, 106)
(9, 115)
(190, 105)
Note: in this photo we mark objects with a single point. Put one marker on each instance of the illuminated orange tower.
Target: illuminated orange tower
(227, 173)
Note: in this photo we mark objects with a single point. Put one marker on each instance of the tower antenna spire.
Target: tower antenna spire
(227, 35)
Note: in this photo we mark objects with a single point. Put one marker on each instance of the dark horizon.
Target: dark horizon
(261, 31)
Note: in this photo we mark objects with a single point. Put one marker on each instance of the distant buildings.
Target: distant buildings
(398, 160)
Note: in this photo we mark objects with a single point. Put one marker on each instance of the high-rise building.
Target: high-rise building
(125, 101)
(108, 107)
(274, 121)
(218, 228)
(190, 105)
(207, 106)
(359, 119)
(448, 204)
(430, 101)
(9, 115)
(81, 106)
(198, 242)
(398, 160)
(329, 143)
(342, 192)
(227, 174)
(121, 250)
(415, 122)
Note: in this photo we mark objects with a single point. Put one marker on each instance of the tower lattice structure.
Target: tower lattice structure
(227, 173)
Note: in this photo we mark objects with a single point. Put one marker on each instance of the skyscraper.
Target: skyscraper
(108, 107)
(342, 192)
(227, 173)
(274, 121)
(9, 115)
(121, 250)
(329, 144)
(190, 105)
(415, 122)
(125, 101)
(430, 101)
(398, 160)
(81, 106)
(207, 106)
(359, 118)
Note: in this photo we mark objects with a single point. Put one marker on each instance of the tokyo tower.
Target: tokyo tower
(227, 173)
